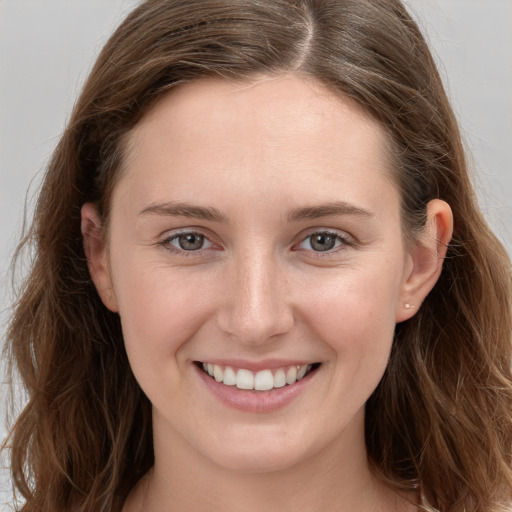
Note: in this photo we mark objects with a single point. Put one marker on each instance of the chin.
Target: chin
(257, 452)
(257, 462)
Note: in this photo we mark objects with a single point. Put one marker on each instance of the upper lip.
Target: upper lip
(255, 366)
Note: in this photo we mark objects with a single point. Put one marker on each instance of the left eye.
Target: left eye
(322, 242)
(189, 241)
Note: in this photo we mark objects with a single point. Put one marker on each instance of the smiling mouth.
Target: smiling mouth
(263, 380)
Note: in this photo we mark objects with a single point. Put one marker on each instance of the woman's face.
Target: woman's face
(256, 229)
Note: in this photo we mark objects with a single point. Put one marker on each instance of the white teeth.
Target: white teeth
(301, 372)
(263, 380)
(291, 375)
(279, 378)
(218, 373)
(229, 376)
(244, 379)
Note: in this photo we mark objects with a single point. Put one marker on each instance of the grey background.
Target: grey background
(48, 46)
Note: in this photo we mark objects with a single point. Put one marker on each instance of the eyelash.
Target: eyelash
(342, 240)
(167, 244)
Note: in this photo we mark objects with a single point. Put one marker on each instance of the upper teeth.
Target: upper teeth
(263, 380)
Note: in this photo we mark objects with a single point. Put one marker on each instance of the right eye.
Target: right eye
(189, 241)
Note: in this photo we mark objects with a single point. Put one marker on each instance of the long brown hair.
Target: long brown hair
(440, 421)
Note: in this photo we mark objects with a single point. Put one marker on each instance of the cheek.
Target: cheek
(159, 312)
(360, 297)
(354, 314)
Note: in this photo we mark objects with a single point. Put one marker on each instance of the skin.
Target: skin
(258, 290)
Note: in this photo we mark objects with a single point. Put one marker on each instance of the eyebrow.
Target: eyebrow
(185, 210)
(173, 209)
(326, 210)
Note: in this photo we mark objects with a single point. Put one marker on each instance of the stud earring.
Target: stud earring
(408, 306)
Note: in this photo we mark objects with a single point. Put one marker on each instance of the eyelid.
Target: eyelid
(346, 241)
(168, 237)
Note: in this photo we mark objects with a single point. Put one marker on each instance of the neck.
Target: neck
(334, 479)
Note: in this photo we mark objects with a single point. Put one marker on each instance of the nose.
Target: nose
(256, 307)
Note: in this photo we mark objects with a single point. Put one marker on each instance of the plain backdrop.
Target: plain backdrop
(48, 46)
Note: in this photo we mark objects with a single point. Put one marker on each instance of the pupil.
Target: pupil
(322, 242)
(191, 241)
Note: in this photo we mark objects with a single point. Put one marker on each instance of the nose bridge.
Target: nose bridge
(256, 307)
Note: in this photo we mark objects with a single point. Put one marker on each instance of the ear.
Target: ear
(426, 258)
(97, 256)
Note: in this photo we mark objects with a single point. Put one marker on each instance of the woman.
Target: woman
(261, 278)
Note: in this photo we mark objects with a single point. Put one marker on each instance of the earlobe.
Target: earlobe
(426, 259)
(96, 253)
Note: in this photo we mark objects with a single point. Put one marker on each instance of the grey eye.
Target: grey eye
(190, 241)
(322, 241)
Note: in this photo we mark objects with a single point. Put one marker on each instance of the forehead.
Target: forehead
(272, 134)
(274, 106)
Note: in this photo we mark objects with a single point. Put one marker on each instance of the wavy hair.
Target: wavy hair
(440, 421)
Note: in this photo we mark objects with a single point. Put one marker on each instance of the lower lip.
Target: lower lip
(256, 401)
